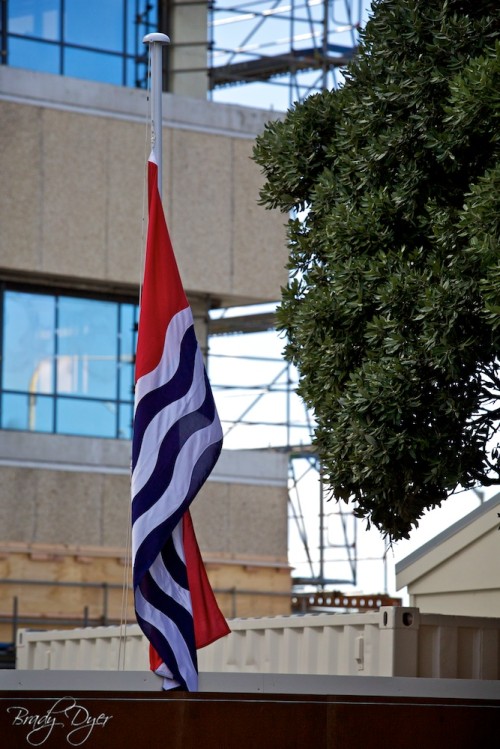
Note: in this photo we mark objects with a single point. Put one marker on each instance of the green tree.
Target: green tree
(392, 312)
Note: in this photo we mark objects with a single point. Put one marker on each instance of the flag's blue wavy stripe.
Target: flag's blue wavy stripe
(169, 634)
(177, 440)
(163, 608)
(195, 429)
(149, 536)
(167, 416)
(174, 425)
(174, 565)
(160, 406)
(169, 361)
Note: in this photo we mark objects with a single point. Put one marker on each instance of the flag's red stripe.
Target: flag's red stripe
(163, 297)
(154, 659)
(162, 293)
(209, 622)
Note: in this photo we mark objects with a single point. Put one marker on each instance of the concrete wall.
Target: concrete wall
(72, 159)
(75, 490)
(64, 519)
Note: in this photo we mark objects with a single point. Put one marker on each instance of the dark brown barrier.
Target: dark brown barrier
(132, 720)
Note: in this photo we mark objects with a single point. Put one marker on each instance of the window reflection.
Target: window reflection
(34, 413)
(87, 340)
(94, 23)
(125, 423)
(128, 339)
(41, 56)
(86, 418)
(67, 364)
(40, 18)
(96, 39)
(93, 66)
(28, 343)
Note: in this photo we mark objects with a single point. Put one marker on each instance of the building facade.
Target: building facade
(73, 155)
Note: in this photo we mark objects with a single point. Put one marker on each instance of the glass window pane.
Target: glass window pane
(125, 426)
(132, 29)
(28, 339)
(94, 23)
(128, 332)
(137, 74)
(55, 347)
(140, 25)
(39, 18)
(87, 418)
(34, 56)
(27, 412)
(128, 336)
(126, 382)
(93, 66)
(87, 347)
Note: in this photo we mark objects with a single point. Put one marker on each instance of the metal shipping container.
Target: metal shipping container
(395, 641)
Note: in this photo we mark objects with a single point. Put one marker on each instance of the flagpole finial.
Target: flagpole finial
(157, 38)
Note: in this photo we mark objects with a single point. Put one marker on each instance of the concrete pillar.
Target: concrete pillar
(200, 305)
(186, 23)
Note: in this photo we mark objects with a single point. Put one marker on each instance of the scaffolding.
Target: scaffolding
(256, 393)
(272, 53)
(281, 50)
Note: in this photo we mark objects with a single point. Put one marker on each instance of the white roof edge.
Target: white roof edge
(437, 543)
(59, 452)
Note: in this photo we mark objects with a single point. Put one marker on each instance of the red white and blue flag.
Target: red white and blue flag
(177, 439)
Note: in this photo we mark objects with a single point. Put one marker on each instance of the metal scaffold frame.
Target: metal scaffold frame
(297, 44)
(260, 409)
(288, 49)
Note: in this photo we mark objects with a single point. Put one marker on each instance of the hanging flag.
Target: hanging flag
(177, 439)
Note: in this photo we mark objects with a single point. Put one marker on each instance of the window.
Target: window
(98, 40)
(67, 364)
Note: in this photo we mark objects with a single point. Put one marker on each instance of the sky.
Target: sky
(264, 373)
(256, 360)
(257, 28)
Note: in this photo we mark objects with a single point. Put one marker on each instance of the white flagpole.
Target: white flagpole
(156, 42)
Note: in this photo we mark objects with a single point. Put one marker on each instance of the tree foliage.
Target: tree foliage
(392, 311)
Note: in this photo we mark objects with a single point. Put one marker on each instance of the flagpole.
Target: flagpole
(156, 42)
(177, 439)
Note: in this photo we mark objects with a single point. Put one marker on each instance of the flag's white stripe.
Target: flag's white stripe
(178, 539)
(161, 423)
(169, 362)
(171, 633)
(164, 671)
(168, 680)
(174, 495)
(166, 582)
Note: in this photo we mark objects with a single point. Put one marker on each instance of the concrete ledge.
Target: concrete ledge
(120, 102)
(373, 686)
(68, 453)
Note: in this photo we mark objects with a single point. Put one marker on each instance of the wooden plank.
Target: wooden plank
(244, 721)
(54, 583)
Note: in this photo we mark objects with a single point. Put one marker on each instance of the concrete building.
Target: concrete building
(72, 159)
